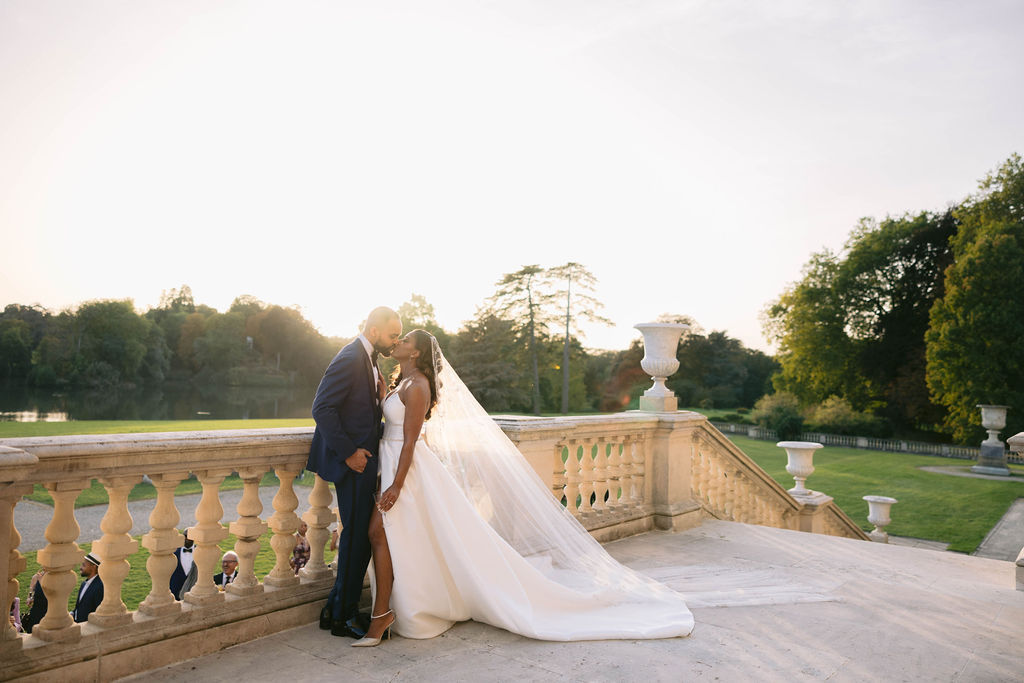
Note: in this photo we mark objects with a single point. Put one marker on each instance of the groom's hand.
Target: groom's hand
(357, 461)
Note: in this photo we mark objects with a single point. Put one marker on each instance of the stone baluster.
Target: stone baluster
(60, 559)
(113, 550)
(161, 540)
(699, 481)
(638, 470)
(207, 533)
(247, 529)
(600, 475)
(587, 477)
(614, 476)
(284, 523)
(318, 519)
(14, 466)
(558, 479)
(572, 478)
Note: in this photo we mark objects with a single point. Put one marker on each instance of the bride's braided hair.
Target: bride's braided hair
(424, 342)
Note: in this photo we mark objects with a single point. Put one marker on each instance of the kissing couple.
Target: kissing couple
(458, 524)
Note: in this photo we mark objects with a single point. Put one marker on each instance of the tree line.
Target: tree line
(917, 319)
(522, 351)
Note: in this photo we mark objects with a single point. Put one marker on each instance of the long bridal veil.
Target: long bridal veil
(517, 504)
(513, 499)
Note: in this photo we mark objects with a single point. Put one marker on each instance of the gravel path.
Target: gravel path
(31, 518)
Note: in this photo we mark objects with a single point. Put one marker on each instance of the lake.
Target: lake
(169, 401)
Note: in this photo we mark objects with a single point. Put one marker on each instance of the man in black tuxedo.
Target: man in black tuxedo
(90, 593)
(229, 570)
(344, 450)
(185, 566)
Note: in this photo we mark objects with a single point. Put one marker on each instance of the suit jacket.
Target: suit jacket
(218, 578)
(347, 415)
(178, 577)
(87, 603)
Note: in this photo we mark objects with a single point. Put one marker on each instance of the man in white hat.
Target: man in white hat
(90, 593)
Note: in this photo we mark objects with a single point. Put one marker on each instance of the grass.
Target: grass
(97, 495)
(955, 510)
(137, 585)
(21, 429)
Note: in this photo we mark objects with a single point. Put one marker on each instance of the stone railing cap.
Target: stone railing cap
(15, 464)
(1016, 442)
(880, 499)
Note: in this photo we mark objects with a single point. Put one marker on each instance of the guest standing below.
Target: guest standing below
(300, 556)
(229, 570)
(36, 603)
(186, 566)
(90, 594)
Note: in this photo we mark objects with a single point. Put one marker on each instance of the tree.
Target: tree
(111, 341)
(585, 306)
(418, 313)
(15, 348)
(488, 357)
(222, 344)
(973, 345)
(854, 325)
(524, 299)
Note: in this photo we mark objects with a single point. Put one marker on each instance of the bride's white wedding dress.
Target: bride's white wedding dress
(464, 546)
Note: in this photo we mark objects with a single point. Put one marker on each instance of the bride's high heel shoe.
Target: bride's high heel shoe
(373, 642)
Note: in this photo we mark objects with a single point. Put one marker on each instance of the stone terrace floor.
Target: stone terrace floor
(897, 614)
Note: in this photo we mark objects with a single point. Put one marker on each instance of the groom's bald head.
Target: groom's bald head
(383, 328)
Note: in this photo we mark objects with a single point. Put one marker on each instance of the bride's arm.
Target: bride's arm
(415, 399)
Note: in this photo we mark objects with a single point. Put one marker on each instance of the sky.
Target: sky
(337, 156)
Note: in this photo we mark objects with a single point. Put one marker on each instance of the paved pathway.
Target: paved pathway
(31, 517)
(1006, 538)
(895, 614)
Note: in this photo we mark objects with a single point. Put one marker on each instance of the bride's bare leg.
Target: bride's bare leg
(383, 574)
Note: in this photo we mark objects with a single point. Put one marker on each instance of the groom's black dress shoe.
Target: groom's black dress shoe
(348, 629)
(325, 618)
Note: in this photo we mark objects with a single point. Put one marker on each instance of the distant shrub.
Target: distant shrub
(836, 416)
(781, 413)
(743, 411)
(706, 403)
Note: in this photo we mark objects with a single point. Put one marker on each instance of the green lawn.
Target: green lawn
(955, 510)
(97, 495)
(19, 429)
(136, 587)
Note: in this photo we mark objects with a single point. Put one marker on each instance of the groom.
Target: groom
(344, 450)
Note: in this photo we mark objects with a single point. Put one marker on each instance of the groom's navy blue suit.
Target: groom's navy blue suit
(348, 417)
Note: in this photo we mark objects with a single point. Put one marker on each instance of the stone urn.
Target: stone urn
(800, 463)
(878, 514)
(661, 340)
(992, 454)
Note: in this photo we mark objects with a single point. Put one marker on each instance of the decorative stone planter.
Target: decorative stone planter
(992, 454)
(661, 340)
(800, 463)
(878, 514)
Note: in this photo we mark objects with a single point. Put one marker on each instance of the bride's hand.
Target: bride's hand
(389, 497)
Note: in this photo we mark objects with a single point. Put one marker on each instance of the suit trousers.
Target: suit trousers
(355, 506)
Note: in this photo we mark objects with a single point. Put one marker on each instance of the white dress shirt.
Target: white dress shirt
(186, 560)
(369, 352)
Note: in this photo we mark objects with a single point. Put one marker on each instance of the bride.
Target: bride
(465, 529)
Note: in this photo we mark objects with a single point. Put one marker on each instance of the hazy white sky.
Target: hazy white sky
(341, 155)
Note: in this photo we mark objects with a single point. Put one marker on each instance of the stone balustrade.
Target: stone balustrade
(618, 474)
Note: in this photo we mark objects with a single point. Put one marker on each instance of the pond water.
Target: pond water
(169, 401)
